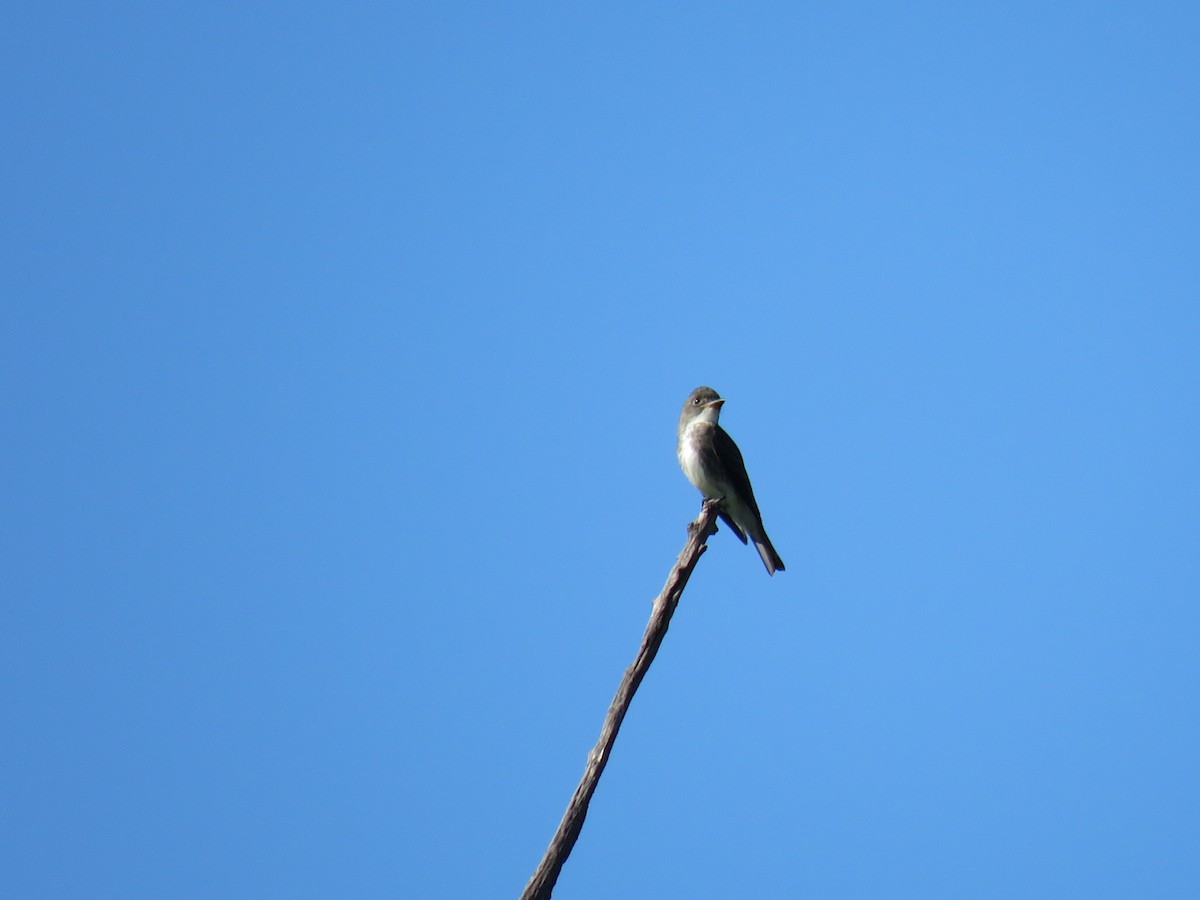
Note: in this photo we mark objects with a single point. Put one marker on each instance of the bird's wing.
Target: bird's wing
(731, 462)
(738, 533)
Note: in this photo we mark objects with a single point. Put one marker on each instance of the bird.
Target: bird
(713, 464)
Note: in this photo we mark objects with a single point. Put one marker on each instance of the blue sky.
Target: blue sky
(342, 351)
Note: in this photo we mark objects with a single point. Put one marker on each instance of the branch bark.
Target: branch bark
(544, 877)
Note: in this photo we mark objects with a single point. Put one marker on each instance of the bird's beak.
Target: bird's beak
(716, 403)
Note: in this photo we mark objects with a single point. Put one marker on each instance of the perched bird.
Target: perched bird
(712, 462)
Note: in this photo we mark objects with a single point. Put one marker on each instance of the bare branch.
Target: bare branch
(544, 877)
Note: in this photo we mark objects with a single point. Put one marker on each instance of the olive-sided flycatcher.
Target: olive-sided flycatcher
(712, 462)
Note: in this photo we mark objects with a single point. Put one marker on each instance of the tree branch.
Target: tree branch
(544, 877)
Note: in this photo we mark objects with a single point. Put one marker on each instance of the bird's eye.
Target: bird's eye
(696, 402)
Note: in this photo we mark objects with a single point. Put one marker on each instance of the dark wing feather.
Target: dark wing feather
(741, 536)
(731, 459)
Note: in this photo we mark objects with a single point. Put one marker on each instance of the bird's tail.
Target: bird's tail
(769, 557)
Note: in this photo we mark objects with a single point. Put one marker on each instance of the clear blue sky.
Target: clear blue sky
(341, 352)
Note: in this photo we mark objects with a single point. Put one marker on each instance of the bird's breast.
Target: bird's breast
(692, 463)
